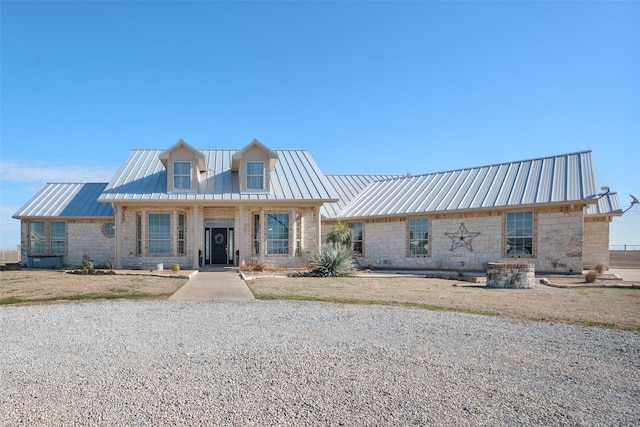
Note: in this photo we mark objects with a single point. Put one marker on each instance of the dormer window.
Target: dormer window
(182, 175)
(255, 175)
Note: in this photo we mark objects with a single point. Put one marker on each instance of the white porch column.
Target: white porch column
(240, 236)
(195, 238)
(118, 241)
(318, 229)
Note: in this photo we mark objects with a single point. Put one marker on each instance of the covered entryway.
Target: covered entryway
(218, 243)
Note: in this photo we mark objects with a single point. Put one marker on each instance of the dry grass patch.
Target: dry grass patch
(39, 286)
(591, 306)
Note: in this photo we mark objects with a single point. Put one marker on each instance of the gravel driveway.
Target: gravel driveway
(305, 363)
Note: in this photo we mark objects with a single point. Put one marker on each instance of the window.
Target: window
(58, 238)
(109, 229)
(277, 234)
(47, 238)
(255, 175)
(159, 234)
(519, 233)
(298, 236)
(181, 234)
(418, 237)
(182, 175)
(256, 234)
(356, 237)
(37, 238)
(139, 234)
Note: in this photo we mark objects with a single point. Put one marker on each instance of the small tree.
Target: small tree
(340, 234)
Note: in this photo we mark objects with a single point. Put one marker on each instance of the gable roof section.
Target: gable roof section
(67, 200)
(557, 179)
(608, 205)
(165, 155)
(295, 177)
(237, 157)
(348, 188)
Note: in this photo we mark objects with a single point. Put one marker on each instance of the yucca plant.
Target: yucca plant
(334, 260)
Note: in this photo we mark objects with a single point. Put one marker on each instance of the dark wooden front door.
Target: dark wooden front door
(219, 246)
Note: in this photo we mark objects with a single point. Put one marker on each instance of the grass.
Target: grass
(114, 294)
(586, 306)
(295, 297)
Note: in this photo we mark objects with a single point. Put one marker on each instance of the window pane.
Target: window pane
(182, 182)
(254, 168)
(182, 175)
(37, 238)
(182, 168)
(277, 234)
(255, 182)
(356, 237)
(255, 175)
(418, 237)
(58, 238)
(256, 234)
(159, 233)
(519, 233)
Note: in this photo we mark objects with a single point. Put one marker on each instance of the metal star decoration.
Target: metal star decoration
(462, 238)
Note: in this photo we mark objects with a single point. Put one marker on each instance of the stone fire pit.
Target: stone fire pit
(510, 275)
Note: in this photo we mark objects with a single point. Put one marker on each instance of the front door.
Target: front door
(219, 246)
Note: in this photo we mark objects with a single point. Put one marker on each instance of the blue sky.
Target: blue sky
(366, 87)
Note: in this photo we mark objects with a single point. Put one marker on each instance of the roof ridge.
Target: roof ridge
(417, 175)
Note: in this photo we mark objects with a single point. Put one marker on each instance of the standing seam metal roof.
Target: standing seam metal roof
(562, 178)
(608, 204)
(294, 177)
(67, 200)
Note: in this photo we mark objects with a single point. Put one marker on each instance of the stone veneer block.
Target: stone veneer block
(510, 275)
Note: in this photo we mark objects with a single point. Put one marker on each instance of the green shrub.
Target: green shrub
(334, 260)
(87, 264)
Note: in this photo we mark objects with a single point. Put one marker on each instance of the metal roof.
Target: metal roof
(143, 177)
(562, 178)
(67, 200)
(608, 204)
(348, 188)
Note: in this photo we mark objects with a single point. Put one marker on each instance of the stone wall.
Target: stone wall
(557, 243)
(130, 259)
(84, 238)
(510, 275)
(309, 237)
(596, 242)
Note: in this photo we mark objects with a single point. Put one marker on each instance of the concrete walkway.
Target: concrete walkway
(223, 285)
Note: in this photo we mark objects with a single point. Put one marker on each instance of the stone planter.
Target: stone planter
(510, 275)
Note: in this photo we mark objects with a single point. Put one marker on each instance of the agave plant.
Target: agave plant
(334, 260)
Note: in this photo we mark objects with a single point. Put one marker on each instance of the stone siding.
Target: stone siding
(596, 242)
(510, 275)
(557, 243)
(134, 261)
(309, 237)
(84, 238)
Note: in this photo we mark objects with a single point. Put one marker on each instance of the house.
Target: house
(228, 207)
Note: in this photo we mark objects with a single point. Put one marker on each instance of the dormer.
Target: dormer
(184, 164)
(254, 164)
